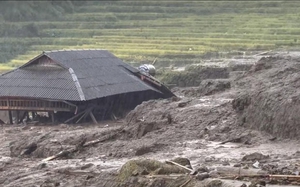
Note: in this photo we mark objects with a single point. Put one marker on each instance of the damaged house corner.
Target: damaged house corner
(72, 86)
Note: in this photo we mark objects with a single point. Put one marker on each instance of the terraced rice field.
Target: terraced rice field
(174, 32)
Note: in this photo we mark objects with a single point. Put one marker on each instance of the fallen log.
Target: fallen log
(223, 170)
(283, 177)
(170, 176)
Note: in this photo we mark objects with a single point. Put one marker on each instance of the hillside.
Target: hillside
(174, 32)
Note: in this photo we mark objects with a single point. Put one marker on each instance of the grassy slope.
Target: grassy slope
(174, 32)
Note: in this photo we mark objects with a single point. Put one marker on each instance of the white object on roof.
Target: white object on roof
(148, 69)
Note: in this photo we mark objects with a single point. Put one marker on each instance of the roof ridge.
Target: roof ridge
(77, 84)
(60, 50)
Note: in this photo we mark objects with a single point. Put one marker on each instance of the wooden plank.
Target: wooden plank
(87, 112)
(74, 117)
(83, 115)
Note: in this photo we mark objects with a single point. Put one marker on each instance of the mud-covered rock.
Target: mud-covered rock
(147, 166)
(143, 150)
(202, 176)
(255, 156)
(215, 183)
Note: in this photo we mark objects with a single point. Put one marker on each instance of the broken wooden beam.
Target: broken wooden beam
(74, 117)
(83, 115)
(283, 177)
(192, 172)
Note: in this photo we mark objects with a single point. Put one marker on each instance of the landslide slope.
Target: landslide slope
(269, 96)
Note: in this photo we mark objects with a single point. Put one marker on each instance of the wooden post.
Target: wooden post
(33, 115)
(93, 117)
(83, 115)
(24, 116)
(52, 117)
(17, 116)
(10, 117)
(74, 117)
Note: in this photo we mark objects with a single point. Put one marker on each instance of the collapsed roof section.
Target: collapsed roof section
(76, 75)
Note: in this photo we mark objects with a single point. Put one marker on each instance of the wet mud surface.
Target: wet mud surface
(245, 123)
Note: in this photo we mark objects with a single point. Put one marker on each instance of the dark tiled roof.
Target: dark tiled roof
(78, 75)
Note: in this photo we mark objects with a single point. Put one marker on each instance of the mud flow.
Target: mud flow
(237, 127)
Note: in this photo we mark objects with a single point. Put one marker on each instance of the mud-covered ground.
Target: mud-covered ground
(217, 125)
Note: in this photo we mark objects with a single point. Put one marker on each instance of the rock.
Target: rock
(256, 164)
(135, 172)
(89, 177)
(255, 156)
(209, 159)
(143, 150)
(26, 127)
(202, 176)
(202, 169)
(226, 163)
(63, 126)
(215, 183)
(86, 166)
(42, 165)
(183, 103)
(146, 166)
(237, 165)
(29, 149)
(213, 174)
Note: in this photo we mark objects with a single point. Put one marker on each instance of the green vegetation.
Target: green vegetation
(174, 32)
